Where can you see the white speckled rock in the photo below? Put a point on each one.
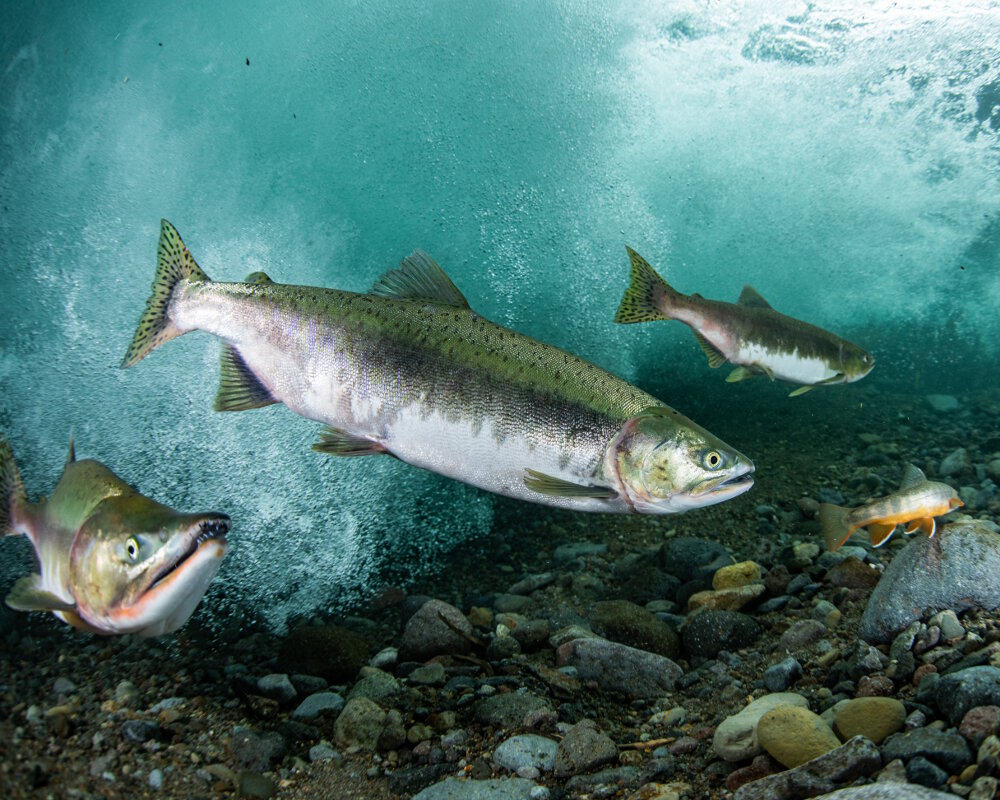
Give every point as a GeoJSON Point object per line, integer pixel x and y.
{"type": "Point", "coordinates": [736, 737]}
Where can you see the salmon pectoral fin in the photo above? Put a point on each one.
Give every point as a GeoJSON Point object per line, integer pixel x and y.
{"type": "Point", "coordinates": [800, 391]}
{"type": "Point", "coordinates": [879, 532]}
{"type": "Point", "coordinates": [239, 389]}
{"type": "Point", "coordinates": [557, 487]}
{"type": "Point", "coordinates": [27, 595]}
{"type": "Point", "coordinates": [335, 442]}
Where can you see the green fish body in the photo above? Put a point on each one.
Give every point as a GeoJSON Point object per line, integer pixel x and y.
{"type": "Point", "coordinates": [749, 333]}
{"type": "Point", "coordinates": [110, 560]}
{"type": "Point", "coordinates": [410, 370]}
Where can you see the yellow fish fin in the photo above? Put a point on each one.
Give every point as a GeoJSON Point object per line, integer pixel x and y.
{"type": "Point", "coordinates": [879, 532]}
{"type": "Point", "coordinates": [739, 374]}
{"type": "Point", "coordinates": [715, 358]}
{"type": "Point", "coordinates": [557, 487]}
{"type": "Point", "coordinates": [800, 391]}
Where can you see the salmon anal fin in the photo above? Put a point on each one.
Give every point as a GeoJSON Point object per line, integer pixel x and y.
{"type": "Point", "coordinates": [239, 389]}
{"type": "Point", "coordinates": [879, 532]}
{"type": "Point", "coordinates": [715, 358]}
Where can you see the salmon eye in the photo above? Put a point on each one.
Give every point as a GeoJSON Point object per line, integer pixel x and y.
{"type": "Point", "coordinates": [712, 459]}
{"type": "Point", "coordinates": [132, 548]}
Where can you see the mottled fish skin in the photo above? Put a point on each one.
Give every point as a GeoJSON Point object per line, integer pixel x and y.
{"type": "Point", "coordinates": [749, 333]}
{"type": "Point", "coordinates": [431, 382]}
{"type": "Point", "coordinates": [917, 502]}
{"type": "Point", "coordinates": [110, 560]}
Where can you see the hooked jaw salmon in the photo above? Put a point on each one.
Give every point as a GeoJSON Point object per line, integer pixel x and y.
{"type": "Point", "coordinates": [110, 560]}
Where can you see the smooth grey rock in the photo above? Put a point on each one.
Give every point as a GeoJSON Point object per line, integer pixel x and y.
{"type": "Point", "coordinates": [780, 676]}
{"type": "Point", "coordinates": [948, 750]}
{"type": "Point", "coordinates": [736, 736]}
{"type": "Point", "coordinates": [960, 691]}
{"type": "Point", "coordinates": [583, 748]}
{"type": "Point", "coordinates": [437, 628]}
{"type": "Point", "coordinates": [689, 558]}
{"type": "Point", "coordinates": [319, 703]}
{"type": "Point", "coordinates": [360, 723]}
{"type": "Point", "coordinates": [708, 632]}
{"type": "Point", "coordinates": [620, 668]}
{"type": "Point", "coordinates": [376, 685]}
{"type": "Point", "coordinates": [956, 462]}
{"type": "Point", "coordinates": [492, 789]}
{"type": "Point", "coordinates": [924, 772]}
{"type": "Point", "coordinates": [508, 710]}
{"type": "Point", "coordinates": [887, 791]}
{"type": "Point", "coordinates": [855, 758]}
{"type": "Point", "coordinates": [526, 750]}
{"type": "Point", "coordinates": [277, 686]}
{"type": "Point", "coordinates": [954, 570]}
{"type": "Point", "coordinates": [942, 402]}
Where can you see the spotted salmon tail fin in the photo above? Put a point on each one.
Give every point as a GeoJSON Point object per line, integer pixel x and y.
{"type": "Point", "coordinates": [835, 527]}
{"type": "Point", "coordinates": [648, 297]}
{"type": "Point", "coordinates": [174, 264]}
{"type": "Point", "coordinates": [11, 487]}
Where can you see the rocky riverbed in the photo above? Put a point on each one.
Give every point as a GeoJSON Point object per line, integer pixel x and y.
{"type": "Point", "coordinates": [718, 654]}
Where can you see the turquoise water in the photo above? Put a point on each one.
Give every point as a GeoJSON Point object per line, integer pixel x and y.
{"type": "Point", "coordinates": [843, 158]}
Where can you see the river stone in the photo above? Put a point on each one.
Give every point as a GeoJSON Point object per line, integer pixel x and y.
{"type": "Point", "coordinates": [960, 691]}
{"type": "Point", "coordinates": [946, 749]}
{"type": "Point", "coordinates": [360, 723]}
{"type": "Point", "coordinates": [491, 789]}
{"type": "Point", "coordinates": [583, 748]}
{"type": "Point", "coordinates": [627, 623]}
{"type": "Point", "coordinates": [329, 651]}
{"type": "Point", "coordinates": [736, 736]}
{"type": "Point", "coordinates": [619, 668]}
{"type": "Point", "coordinates": [708, 632]}
{"type": "Point", "coordinates": [794, 735]}
{"type": "Point", "coordinates": [954, 570]}
{"type": "Point", "coordinates": [887, 791]}
{"type": "Point", "coordinates": [526, 750]}
{"type": "Point", "coordinates": [734, 575]}
{"type": "Point", "coordinates": [437, 628]}
{"type": "Point", "coordinates": [690, 559]}
{"type": "Point", "coordinates": [872, 717]}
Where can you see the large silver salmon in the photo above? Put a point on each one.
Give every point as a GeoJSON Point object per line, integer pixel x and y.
{"type": "Point", "coordinates": [410, 370]}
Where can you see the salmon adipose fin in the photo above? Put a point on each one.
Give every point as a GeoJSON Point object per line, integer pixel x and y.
{"type": "Point", "coordinates": [174, 264]}
{"type": "Point", "coordinates": [11, 487]}
{"type": "Point", "coordinates": [835, 526]}
{"type": "Point", "coordinates": [647, 295]}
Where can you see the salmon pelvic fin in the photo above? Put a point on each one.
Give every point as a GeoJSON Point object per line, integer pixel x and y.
{"type": "Point", "coordinates": [836, 529]}
{"type": "Point", "coordinates": [11, 487]}
{"type": "Point", "coordinates": [644, 296]}
{"type": "Point", "coordinates": [174, 263]}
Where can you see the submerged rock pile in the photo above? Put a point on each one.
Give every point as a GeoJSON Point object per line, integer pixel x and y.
{"type": "Point", "coordinates": [573, 666]}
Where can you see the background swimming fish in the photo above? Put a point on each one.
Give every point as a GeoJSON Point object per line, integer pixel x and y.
{"type": "Point", "coordinates": [111, 560]}
{"type": "Point", "coordinates": [748, 333]}
{"type": "Point", "coordinates": [917, 501]}
{"type": "Point", "coordinates": [410, 370]}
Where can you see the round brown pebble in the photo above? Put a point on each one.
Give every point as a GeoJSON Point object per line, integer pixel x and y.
{"type": "Point", "coordinates": [795, 735]}
{"type": "Point", "coordinates": [874, 717]}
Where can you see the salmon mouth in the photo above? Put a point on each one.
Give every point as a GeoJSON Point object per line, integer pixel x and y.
{"type": "Point", "coordinates": [207, 530]}
{"type": "Point", "coordinates": [737, 483]}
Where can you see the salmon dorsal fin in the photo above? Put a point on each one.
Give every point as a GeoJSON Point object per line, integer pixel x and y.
{"type": "Point", "coordinates": [912, 476]}
{"type": "Point", "coordinates": [419, 277]}
{"type": "Point", "coordinates": [751, 298]}
{"type": "Point", "coordinates": [71, 455]}
{"type": "Point", "coordinates": [258, 278]}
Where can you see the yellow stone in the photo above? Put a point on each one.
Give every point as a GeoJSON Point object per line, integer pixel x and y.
{"type": "Point", "coordinates": [874, 717]}
{"type": "Point", "coordinates": [736, 575]}
{"type": "Point", "coordinates": [795, 735]}
{"type": "Point", "coordinates": [726, 599]}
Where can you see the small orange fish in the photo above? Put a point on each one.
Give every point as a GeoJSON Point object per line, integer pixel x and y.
{"type": "Point", "coordinates": [915, 505]}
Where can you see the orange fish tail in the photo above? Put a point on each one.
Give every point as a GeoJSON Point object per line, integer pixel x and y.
{"type": "Point", "coordinates": [836, 528]}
